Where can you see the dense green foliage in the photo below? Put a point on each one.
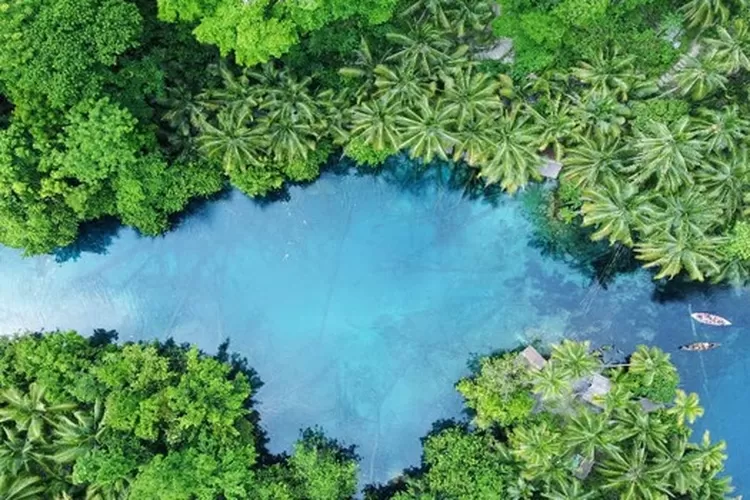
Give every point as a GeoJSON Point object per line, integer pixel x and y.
{"type": "Point", "coordinates": [544, 450]}
{"type": "Point", "coordinates": [108, 110]}
{"type": "Point", "coordinates": [88, 418]}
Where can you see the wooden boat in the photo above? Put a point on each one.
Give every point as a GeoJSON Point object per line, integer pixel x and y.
{"type": "Point", "coordinates": [699, 346]}
{"type": "Point", "coordinates": [710, 319]}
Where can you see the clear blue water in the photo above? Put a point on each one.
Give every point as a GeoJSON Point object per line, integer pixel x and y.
{"type": "Point", "coordinates": [359, 301]}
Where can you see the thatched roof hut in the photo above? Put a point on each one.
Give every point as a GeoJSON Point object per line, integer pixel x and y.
{"type": "Point", "coordinates": [599, 386]}
{"type": "Point", "coordinates": [532, 358]}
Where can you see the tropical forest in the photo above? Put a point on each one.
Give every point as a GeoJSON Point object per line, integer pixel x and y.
{"type": "Point", "coordinates": [379, 249]}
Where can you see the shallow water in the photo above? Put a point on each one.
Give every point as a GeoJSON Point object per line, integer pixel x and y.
{"type": "Point", "coordinates": [359, 301]}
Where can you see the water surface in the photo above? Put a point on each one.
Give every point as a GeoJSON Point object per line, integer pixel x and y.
{"type": "Point", "coordinates": [359, 300]}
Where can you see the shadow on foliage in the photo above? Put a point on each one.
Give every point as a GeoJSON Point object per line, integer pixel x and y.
{"type": "Point", "coordinates": [93, 237]}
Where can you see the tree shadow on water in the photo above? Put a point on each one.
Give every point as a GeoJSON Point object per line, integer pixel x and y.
{"type": "Point", "coordinates": [93, 237]}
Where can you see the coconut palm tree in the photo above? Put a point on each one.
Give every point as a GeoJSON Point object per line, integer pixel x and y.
{"type": "Point", "coordinates": [678, 466]}
{"type": "Point", "coordinates": [689, 212]}
{"type": "Point", "coordinates": [699, 255]}
{"type": "Point", "coordinates": [363, 69]}
{"type": "Point", "coordinates": [575, 358]}
{"type": "Point", "coordinates": [588, 164]}
{"type": "Point", "coordinates": [76, 436]}
{"type": "Point", "coordinates": [20, 487]}
{"type": "Point", "coordinates": [609, 74]}
{"type": "Point", "coordinates": [651, 363]}
{"type": "Point", "coordinates": [375, 122]}
{"type": "Point", "coordinates": [588, 433]}
{"type": "Point", "coordinates": [402, 84]}
{"type": "Point", "coordinates": [426, 131]}
{"type": "Point", "coordinates": [423, 47]}
{"type": "Point", "coordinates": [232, 141]}
{"type": "Point", "coordinates": [705, 13]}
{"type": "Point", "coordinates": [237, 91]}
{"type": "Point", "coordinates": [731, 47]}
{"type": "Point", "coordinates": [422, 10]}
{"type": "Point", "coordinates": [289, 139]}
{"type": "Point", "coordinates": [668, 153]}
{"type": "Point", "coordinates": [600, 114]}
{"type": "Point", "coordinates": [552, 383]}
{"type": "Point", "coordinates": [686, 407]}
{"type": "Point", "coordinates": [632, 476]}
{"type": "Point", "coordinates": [185, 111]}
{"type": "Point", "coordinates": [557, 126]}
{"type": "Point", "coordinates": [712, 455]}
{"type": "Point", "coordinates": [714, 488]}
{"type": "Point", "coordinates": [472, 96]}
{"type": "Point", "coordinates": [514, 160]}
{"type": "Point", "coordinates": [19, 453]}
{"type": "Point", "coordinates": [29, 411]}
{"type": "Point", "coordinates": [725, 182]}
{"type": "Point", "coordinates": [469, 16]}
{"type": "Point", "coordinates": [475, 141]}
{"type": "Point", "coordinates": [614, 208]}
{"type": "Point", "coordinates": [723, 130]}
{"type": "Point", "coordinates": [699, 78]}
{"type": "Point", "coordinates": [642, 429]}
{"type": "Point", "coordinates": [571, 490]}
{"type": "Point", "coordinates": [538, 446]}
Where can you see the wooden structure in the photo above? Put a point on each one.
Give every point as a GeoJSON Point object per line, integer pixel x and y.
{"type": "Point", "coordinates": [598, 387]}
{"type": "Point", "coordinates": [532, 358]}
{"type": "Point", "coordinates": [550, 168]}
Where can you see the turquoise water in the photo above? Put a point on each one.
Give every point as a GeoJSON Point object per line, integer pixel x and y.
{"type": "Point", "coordinates": [359, 300]}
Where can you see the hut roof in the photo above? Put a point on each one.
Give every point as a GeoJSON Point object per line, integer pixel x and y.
{"type": "Point", "coordinates": [598, 387]}
{"type": "Point", "coordinates": [550, 168]}
{"type": "Point", "coordinates": [584, 468]}
{"type": "Point", "coordinates": [649, 406]}
{"type": "Point", "coordinates": [532, 357]}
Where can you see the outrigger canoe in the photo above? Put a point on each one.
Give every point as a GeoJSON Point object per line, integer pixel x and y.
{"type": "Point", "coordinates": [699, 346]}
{"type": "Point", "coordinates": [710, 319]}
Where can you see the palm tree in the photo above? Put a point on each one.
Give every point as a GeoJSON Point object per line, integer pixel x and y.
{"type": "Point", "coordinates": [423, 9]}
{"type": "Point", "coordinates": [668, 153]}
{"type": "Point", "coordinates": [471, 96]}
{"type": "Point", "coordinates": [588, 433]}
{"type": "Point", "coordinates": [426, 131]}
{"type": "Point", "coordinates": [537, 445]}
{"type": "Point", "coordinates": [686, 407]}
{"type": "Point", "coordinates": [722, 130]}
{"type": "Point", "coordinates": [364, 69]}
{"type": "Point", "coordinates": [614, 208]}
{"type": "Point", "coordinates": [237, 91]}
{"type": "Point", "coordinates": [31, 410]}
{"type": "Point", "coordinates": [700, 77]}
{"type": "Point", "coordinates": [423, 47]}
{"type": "Point", "coordinates": [609, 74]}
{"type": "Point", "coordinates": [575, 358]}
{"type": "Point", "coordinates": [375, 123]}
{"type": "Point", "coordinates": [689, 212]}
{"type": "Point", "coordinates": [632, 476]}
{"type": "Point", "coordinates": [677, 466]}
{"type": "Point", "coordinates": [20, 487]}
{"type": "Point", "coordinates": [592, 161]}
{"type": "Point", "coordinates": [557, 126]}
{"type": "Point", "coordinates": [712, 455]}
{"type": "Point", "coordinates": [571, 490]}
{"type": "Point", "coordinates": [714, 488]}
{"type": "Point", "coordinates": [475, 141]}
{"type": "Point", "coordinates": [552, 383]}
{"type": "Point", "coordinates": [185, 111]}
{"type": "Point", "coordinates": [289, 139]}
{"type": "Point", "coordinates": [20, 453]}
{"type": "Point", "coordinates": [699, 255]}
{"type": "Point", "coordinates": [231, 141]}
{"type": "Point", "coordinates": [467, 16]}
{"type": "Point", "coordinates": [402, 84]}
{"type": "Point", "coordinates": [75, 436]}
{"type": "Point", "coordinates": [705, 13]}
{"type": "Point", "coordinates": [514, 160]}
{"type": "Point", "coordinates": [731, 48]}
{"type": "Point", "coordinates": [651, 363]}
{"type": "Point", "coordinates": [643, 429]}
{"type": "Point", "coordinates": [601, 114]}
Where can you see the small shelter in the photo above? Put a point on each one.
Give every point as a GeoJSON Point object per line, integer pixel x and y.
{"type": "Point", "coordinates": [532, 358]}
{"type": "Point", "coordinates": [598, 387]}
{"type": "Point", "coordinates": [583, 467]}
{"type": "Point", "coordinates": [550, 168]}
{"type": "Point", "coordinates": [649, 406]}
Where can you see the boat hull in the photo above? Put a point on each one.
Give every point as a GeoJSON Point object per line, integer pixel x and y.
{"type": "Point", "coordinates": [710, 319]}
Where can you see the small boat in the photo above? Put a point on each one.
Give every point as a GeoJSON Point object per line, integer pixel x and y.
{"type": "Point", "coordinates": [699, 346]}
{"type": "Point", "coordinates": [710, 319]}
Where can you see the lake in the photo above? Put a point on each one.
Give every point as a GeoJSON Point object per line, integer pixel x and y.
{"type": "Point", "coordinates": [360, 299]}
